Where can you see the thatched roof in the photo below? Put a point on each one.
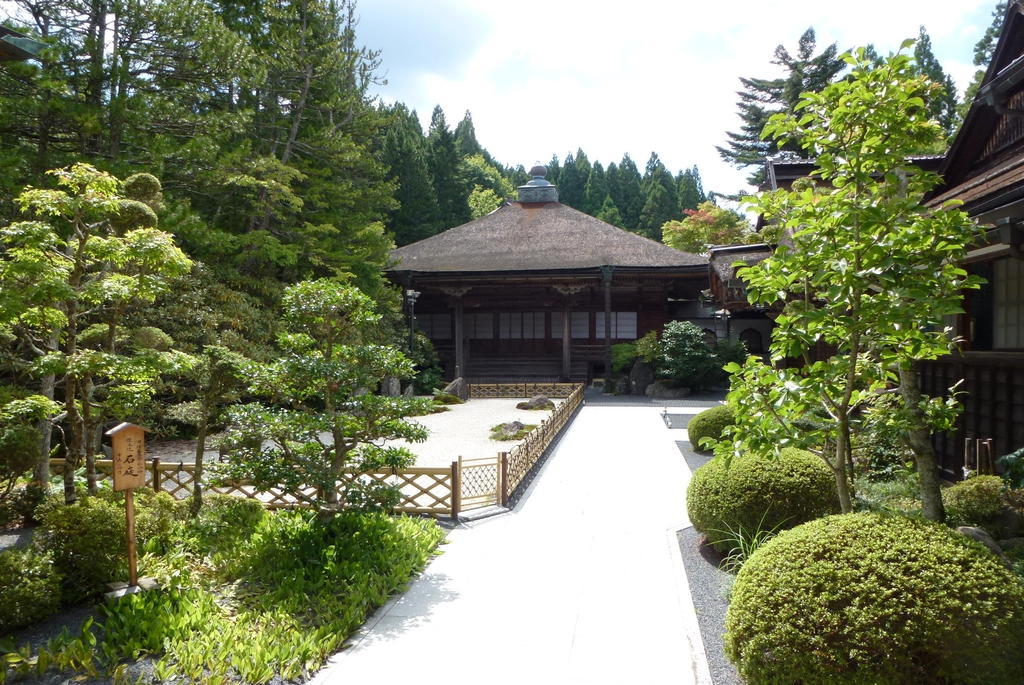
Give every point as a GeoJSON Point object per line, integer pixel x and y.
{"type": "Point", "coordinates": [723, 258]}
{"type": "Point", "coordinates": [537, 237]}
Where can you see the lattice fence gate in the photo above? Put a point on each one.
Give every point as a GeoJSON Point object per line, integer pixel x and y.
{"type": "Point", "coordinates": [480, 482]}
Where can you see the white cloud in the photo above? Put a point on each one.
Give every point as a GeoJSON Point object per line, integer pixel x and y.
{"type": "Point", "coordinates": [615, 77]}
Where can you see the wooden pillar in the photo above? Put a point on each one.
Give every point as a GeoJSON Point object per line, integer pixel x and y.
{"type": "Point", "coordinates": [460, 358]}
{"type": "Point", "coordinates": [606, 277]}
{"type": "Point", "coordinates": [566, 342]}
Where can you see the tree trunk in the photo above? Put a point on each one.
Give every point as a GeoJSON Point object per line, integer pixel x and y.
{"type": "Point", "coordinates": [89, 428]}
{"type": "Point", "coordinates": [197, 476]}
{"type": "Point", "coordinates": [41, 471]}
{"type": "Point", "coordinates": [921, 445]}
{"type": "Point", "coordinates": [838, 465]}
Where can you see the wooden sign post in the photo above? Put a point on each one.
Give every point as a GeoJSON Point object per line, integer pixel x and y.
{"type": "Point", "coordinates": [129, 455]}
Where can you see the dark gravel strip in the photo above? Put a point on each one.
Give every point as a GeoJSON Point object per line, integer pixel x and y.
{"type": "Point", "coordinates": [709, 585]}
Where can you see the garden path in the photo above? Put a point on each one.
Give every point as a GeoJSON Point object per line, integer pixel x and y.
{"type": "Point", "coordinates": [582, 583]}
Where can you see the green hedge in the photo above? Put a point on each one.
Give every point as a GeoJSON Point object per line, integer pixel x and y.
{"type": "Point", "coordinates": [709, 424]}
{"type": "Point", "coordinates": [29, 588]}
{"type": "Point", "coordinates": [754, 492]}
{"type": "Point", "coordinates": [975, 501]}
{"type": "Point", "coordinates": [875, 598]}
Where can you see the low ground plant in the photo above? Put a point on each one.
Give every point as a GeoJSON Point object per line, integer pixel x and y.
{"type": "Point", "coordinates": [29, 588]}
{"type": "Point", "coordinates": [499, 433]}
{"type": "Point", "coordinates": [246, 597]}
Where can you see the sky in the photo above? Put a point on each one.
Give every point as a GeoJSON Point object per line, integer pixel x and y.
{"type": "Point", "coordinates": [636, 76]}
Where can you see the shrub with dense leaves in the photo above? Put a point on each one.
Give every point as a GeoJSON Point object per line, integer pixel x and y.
{"type": "Point", "coordinates": [709, 424]}
{"type": "Point", "coordinates": [875, 598]}
{"type": "Point", "coordinates": [975, 501]}
{"type": "Point", "coordinates": [751, 493]}
{"type": "Point", "coordinates": [224, 520]}
{"type": "Point", "coordinates": [29, 588]}
{"type": "Point", "coordinates": [87, 541]}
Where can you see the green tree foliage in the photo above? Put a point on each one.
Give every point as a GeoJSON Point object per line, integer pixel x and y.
{"type": "Point", "coordinates": [705, 226]}
{"type": "Point", "coordinates": [466, 143]}
{"type": "Point", "coordinates": [660, 202]}
{"type": "Point", "coordinates": [322, 420]}
{"type": "Point", "coordinates": [69, 273]}
{"type": "Point", "coordinates": [760, 98]}
{"type": "Point", "coordinates": [404, 151]}
{"type": "Point", "coordinates": [609, 213]}
{"type": "Point", "coordinates": [868, 271]}
{"type": "Point", "coordinates": [943, 105]}
{"type": "Point", "coordinates": [450, 188]}
{"type": "Point", "coordinates": [983, 51]}
{"type": "Point", "coordinates": [690, 189]}
{"type": "Point", "coordinates": [627, 193]}
{"type": "Point", "coordinates": [571, 181]}
{"type": "Point", "coordinates": [596, 190]}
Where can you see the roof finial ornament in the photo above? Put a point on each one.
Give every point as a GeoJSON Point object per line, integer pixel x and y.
{"type": "Point", "coordinates": [538, 189]}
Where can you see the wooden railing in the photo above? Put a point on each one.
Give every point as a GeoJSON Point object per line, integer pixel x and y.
{"type": "Point", "coordinates": [517, 463]}
{"type": "Point", "coordinates": [524, 390]}
{"type": "Point", "coordinates": [437, 491]}
{"type": "Point", "coordinates": [422, 490]}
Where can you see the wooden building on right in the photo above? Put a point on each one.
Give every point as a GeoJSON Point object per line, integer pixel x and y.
{"type": "Point", "coordinates": [984, 168]}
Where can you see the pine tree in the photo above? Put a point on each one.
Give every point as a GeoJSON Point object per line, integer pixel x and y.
{"type": "Point", "coordinates": [449, 189]}
{"type": "Point", "coordinates": [465, 139]}
{"type": "Point", "coordinates": [554, 168]}
{"type": "Point", "coordinates": [596, 190]}
{"type": "Point", "coordinates": [690, 189]}
{"type": "Point", "coordinates": [570, 184]}
{"type": "Point", "coordinates": [983, 51]}
{"type": "Point", "coordinates": [943, 106]}
{"type": "Point", "coordinates": [609, 213]}
{"type": "Point", "coordinates": [627, 194]}
{"type": "Point", "coordinates": [760, 98]}
{"type": "Point", "coordinates": [655, 174]}
{"type": "Point", "coordinates": [659, 208]}
{"type": "Point", "coordinates": [404, 150]}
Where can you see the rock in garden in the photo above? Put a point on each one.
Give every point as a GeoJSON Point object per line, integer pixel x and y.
{"type": "Point", "coordinates": [457, 387]}
{"type": "Point", "coordinates": [409, 391]}
{"type": "Point", "coordinates": [660, 390]}
{"type": "Point", "coordinates": [622, 385]}
{"type": "Point", "coordinates": [391, 387]}
{"type": "Point", "coordinates": [640, 377]}
{"type": "Point", "coordinates": [510, 429]}
{"type": "Point", "coordinates": [985, 539]}
{"type": "Point", "coordinates": [537, 402]}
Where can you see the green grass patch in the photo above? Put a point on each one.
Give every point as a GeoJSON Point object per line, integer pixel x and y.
{"type": "Point", "coordinates": [498, 434]}
{"type": "Point", "coordinates": [247, 597]}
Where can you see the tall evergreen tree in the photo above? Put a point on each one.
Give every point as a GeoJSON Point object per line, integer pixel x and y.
{"type": "Point", "coordinates": [690, 189]}
{"type": "Point", "coordinates": [983, 51]}
{"type": "Point", "coordinates": [760, 98]}
{"type": "Point", "coordinates": [943, 106]}
{"type": "Point", "coordinates": [630, 199]}
{"type": "Point", "coordinates": [404, 151]}
{"type": "Point", "coordinates": [570, 184]}
{"type": "Point", "coordinates": [449, 189]}
{"type": "Point", "coordinates": [465, 138]}
{"type": "Point", "coordinates": [660, 203]}
{"type": "Point", "coordinates": [596, 190]}
{"type": "Point", "coordinates": [609, 213]}
{"type": "Point", "coordinates": [554, 168]}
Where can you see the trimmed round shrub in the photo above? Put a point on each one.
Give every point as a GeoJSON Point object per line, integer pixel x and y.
{"type": "Point", "coordinates": [224, 521]}
{"type": "Point", "coordinates": [974, 501]}
{"type": "Point", "coordinates": [709, 424]}
{"type": "Point", "coordinates": [29, 588]}
{"type": "Point", "coordinates": [87, 541]}
{"type": "Point", "coordinates": [755, 493]}
{"type": "Point", "coordinates": [875, 598]}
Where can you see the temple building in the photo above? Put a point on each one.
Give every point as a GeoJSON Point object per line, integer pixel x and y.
{"type": "Point", "coordinates": [537, 290]}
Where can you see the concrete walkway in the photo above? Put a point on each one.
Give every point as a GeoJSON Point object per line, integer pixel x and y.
{"type": "Point", "coordinates": [582, 583]}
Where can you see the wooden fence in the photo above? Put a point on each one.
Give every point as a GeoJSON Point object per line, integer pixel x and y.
{"type": "Point", "coordinates": [521, 459]}
{"type": "Point", "coordinates": [422, 490]}
{"type": "Point", "coordinates": [524, 390]}
{"type": "Point", "coordinates": [436, 491]}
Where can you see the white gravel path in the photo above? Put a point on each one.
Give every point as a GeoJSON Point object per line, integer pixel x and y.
{"type": "Point", "coordinates": [465, 430]}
